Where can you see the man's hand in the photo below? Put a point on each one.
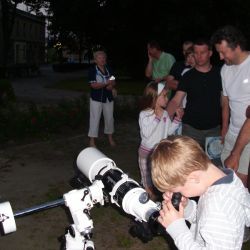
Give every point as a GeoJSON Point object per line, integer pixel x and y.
{"type": "Point", "coordinates": [179, 113]}
{"type": "Point", "coordinates": [248, 112]}
{"type": "Point", "coordinates": [150, 58]}
{"type": "Point", "coordinates": [232, 161]}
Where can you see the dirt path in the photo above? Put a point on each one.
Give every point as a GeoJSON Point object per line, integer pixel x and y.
{"type": "Point", "coordinates": [34, 88]}
{"type": "Point", "coordinates": [36, 173]}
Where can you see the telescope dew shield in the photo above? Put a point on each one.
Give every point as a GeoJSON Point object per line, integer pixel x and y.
{"type": "Point", "coordinates": [91, 161]}
{"type": "Point", "coordinates": [123, 191]}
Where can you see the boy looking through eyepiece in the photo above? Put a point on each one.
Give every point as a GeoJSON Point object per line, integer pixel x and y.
{"type": "Point", "coordinates": [218, 220]}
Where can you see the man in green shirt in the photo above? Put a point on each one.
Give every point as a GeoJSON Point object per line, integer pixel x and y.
{"type": "Point", "coordinates": [159, 63]}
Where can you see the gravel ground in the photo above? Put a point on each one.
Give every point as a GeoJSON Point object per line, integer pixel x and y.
{"type": "Point", "coordinates": [36, 173]}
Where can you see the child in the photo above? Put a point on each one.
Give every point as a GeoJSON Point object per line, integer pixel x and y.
{"type": "Point", "coordinates": [218, 221]}
{"type": "Point", "coordinates": [155, 125]}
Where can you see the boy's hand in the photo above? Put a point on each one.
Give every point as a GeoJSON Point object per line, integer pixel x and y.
{"type": "Point", "coordinates": [169, 214]}
{"type": "Point", "coordinates": [167, 196]}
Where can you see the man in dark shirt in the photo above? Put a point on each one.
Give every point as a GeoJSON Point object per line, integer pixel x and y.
{"type": "Point", "coordinates": [179, 68]}
{"type": "Point", "coordinates": [202, 86]}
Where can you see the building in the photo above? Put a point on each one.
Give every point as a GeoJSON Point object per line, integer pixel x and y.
{"type": "Point", "coordinates": [27, 50]}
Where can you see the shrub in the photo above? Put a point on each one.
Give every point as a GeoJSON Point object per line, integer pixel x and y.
{"type": "Point", "coordinates": [22, 121]}
{"type": "Point", "coordinates": [68, 67]}
{"type": "Point", "coordinates": [6, 91]}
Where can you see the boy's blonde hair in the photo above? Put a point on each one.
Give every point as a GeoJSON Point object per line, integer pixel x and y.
{"type": "Point", "coordinates": [174, 159]}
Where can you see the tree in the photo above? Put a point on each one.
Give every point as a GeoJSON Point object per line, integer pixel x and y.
{"type": "Point", "coordinates": [123, 27]}
{"type": "Point", "coordinates": [73, 22]}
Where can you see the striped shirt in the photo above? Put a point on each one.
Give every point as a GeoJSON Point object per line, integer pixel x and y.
{"type": "Point", "coordinates": [218, 221]}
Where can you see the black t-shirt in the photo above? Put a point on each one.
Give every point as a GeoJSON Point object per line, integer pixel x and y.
{"type": "Point", "coordinates": [203, 109]}
{"type": "Point", "coordinates": [176, 71]}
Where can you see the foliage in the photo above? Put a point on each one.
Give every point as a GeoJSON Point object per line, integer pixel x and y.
{"type": "Point", "coordinates": [124, 86]}
{"type": "Point", "coordinates": [21, 121]}
{"type": "Point", "coordinates": [6, 92]}
{"type": "Point", "coordinates": [123, 27]}
{"type": "Point", "coordinates": [68, 67]}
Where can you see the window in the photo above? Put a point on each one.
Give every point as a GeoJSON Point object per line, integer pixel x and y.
{"type": "Point", "coordinates": [20, 52]}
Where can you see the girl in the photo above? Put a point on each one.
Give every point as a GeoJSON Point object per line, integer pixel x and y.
{"type": "Point", "coordinates": [155, 125]}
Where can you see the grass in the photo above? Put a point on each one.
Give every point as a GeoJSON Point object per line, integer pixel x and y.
{"type": "Point", "coordinates": [124, 86]}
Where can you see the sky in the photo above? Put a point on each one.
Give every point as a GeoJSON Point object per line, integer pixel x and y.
{"type": "Point", "coordinates": [23, 7]}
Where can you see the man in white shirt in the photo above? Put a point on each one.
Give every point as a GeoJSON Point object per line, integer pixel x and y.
{"type": "Point", "coordinates": [231, 46]}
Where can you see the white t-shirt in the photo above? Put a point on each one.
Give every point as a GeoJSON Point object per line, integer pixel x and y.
{"type": "Point", "coordinates": [236, 86]}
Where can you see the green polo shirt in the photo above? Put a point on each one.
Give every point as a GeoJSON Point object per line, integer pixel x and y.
{"type": "Point", "coordinates": [162, 66]}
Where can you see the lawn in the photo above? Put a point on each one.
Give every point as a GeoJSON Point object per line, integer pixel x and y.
{"type": "Point", "coordinates": [124, 86]}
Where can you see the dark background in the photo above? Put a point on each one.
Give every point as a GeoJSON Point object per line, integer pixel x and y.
{"type": "Point", "coordinates": [123, 27]}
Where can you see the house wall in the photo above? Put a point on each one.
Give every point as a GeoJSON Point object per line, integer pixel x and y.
{"type": "Point", "coordinates": [28, 39]}
{"type": "Point", "coordinates": [1, 36]}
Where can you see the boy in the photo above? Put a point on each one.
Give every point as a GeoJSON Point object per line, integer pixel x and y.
{"type": "Point", "coordinates": [218, 220]}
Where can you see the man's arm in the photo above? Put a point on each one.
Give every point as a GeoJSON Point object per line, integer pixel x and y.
{"type": "Point", "coordinates": [175, 102]}
{"type": "Point", "coordinates": [172, 83]}
{"type": "Point", "coordinates": [243, 139]}
{"type": "Point", "coordinates": [225, 115]}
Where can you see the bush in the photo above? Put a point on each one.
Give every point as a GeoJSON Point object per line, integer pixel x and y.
{"type": "Point", "coordinates": [68, 67]}
{"type": "Point", "coordinates": [6, 91]}
{"type": "Point", "coordinates": [22, 121]}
